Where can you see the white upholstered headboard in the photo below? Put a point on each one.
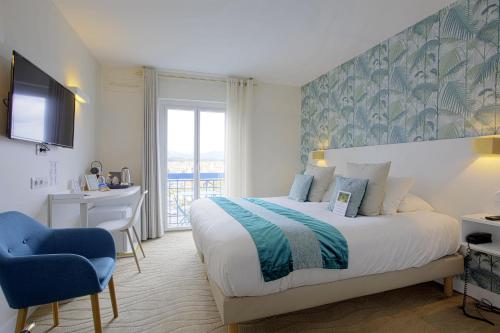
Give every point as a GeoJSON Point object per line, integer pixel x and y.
{"type": "Point", "coordinates": [448, 173]}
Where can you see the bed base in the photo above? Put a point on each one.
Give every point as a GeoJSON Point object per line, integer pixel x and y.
{"type": "Point", "coordinates": [234, 310]}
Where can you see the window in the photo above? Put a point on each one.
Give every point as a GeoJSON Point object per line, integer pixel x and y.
{"type": "Point", "coordinates": [193, 141]}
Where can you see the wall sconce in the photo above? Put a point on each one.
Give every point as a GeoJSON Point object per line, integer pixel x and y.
{"type": "Point", "coordinates": [487, 145]}
{"type": "Point", "coordinates": [80, 96]}
{"type": "Point", "coordinates": [318, 155]}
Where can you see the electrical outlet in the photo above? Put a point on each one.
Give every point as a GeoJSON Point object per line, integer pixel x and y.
{"type": "Point", "coordinates": [39, 182]}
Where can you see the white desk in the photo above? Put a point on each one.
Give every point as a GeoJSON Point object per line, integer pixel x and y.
{"type": "Point", "coordinates": [86, 198]}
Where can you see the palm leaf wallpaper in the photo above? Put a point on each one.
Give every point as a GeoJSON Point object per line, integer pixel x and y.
{"type": "Point", "coordinates": [438, 79]}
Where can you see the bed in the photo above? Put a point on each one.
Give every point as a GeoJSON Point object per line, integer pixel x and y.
{"type": "Point", "coordinates": [385, 252]}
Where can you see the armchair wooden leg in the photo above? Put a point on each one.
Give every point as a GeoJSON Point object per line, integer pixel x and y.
{"type": "Point", "coordinates": [232, 328]}
{"type": "Point", "coordinates": [448, 286]}
{"type": "Point", "coordinates": [133, 249]}
{"type": "Point", "coordinates": [96, 313]}
{"type": "Point", "coordinates": [55, 313]}
{"type": "Point", "coordinates": [139, 241]}
{"type": "Point", "coordinates": [112, 294]}
{"type": "Point", "coordinates": [21, 319]}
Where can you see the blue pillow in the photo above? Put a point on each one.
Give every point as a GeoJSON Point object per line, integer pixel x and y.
{"type": "Point", "coordinates": [300, 187]}
{"type": "Point", "coordinates": [357, 188]}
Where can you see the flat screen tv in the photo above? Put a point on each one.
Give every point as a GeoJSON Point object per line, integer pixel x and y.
{"type": "Point", "coordinates": [40, 109]}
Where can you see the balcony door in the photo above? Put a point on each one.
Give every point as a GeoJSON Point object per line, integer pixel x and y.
{"type": "Point", "coordinates": [193, 139]}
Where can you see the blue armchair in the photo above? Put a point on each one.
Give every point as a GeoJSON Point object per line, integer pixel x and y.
{"type": "Point", "coordinates": [39, 265]}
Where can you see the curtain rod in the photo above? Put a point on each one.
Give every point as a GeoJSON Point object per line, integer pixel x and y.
{"type": "Point", "coordinates": [200, 78]}
{"type": "Point", "coordinates": [187, 77]}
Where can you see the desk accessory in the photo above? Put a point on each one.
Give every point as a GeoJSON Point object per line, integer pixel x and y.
{"type": "Point", "coordinates": [91, 182]}
{"type": "Point", "coordinates": [75, 186]}
{"type": "Point", "coordinates": [96, 168]}
{"type": "Point", "coordinates": [125, 176]}
{"type": "Point", "coordinates": [114, 177]}
{"type": "Point", "coordinates": [101, 181]}
{"type": "Point", "coordinates": [119, 186]}
{"type": "Point", "coordinates": [478, 238]}
{"type": "Point", "coordinates": [340, 207]}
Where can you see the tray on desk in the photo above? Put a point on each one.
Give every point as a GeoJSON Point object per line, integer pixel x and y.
{"type": "Point", "coordinates": [118, 186]}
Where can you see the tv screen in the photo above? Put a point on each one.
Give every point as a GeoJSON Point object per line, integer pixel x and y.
{"type": "Point", "coordinates": [40, 108]}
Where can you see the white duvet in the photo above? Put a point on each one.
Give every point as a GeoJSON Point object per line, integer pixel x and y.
{"type": "Point", "coordinates": [376, 244]}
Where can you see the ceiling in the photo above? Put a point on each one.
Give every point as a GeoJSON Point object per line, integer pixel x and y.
{"type": "Point", "coordinates": [277, 41]}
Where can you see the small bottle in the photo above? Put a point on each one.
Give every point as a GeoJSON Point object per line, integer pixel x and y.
{"type": "Point", "coordinates": [101, 183]}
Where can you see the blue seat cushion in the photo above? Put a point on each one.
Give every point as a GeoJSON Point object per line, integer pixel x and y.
{"type": "Point", "coordinates": [104, 268]}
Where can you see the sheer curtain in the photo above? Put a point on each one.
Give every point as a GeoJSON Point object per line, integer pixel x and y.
{"type": "Point", "coordinates": [238, 111]}
{"type": "Point", "coordinates": [152, 221]}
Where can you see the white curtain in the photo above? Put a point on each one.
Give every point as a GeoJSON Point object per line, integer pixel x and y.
{"type": "Point", "coordinates": [238, 112]}
{"type": "Point", "coordinates": [152, 221]}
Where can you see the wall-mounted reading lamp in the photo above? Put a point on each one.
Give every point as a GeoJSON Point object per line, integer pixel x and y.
{"type": "Point", "coordinates": [318, 155]}
{"type": "Point", "coordinates": [487, 145]}
{"type": "Point", "coordinates": [80, 95]}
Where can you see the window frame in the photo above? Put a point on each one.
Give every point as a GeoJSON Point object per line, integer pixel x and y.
{"type": "Point", "coordinates": [164, 104]}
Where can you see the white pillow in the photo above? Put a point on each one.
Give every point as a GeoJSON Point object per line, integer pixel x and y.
{"type": "Point", "coordinates": [328, 194]}
{"type": "Point", "coordinates": [413, 203]}
{"type": "Point", "coordinates": [395, 190]}
{"type": "Point", "coordinates": [375, 191]}
{"type": "Point", "coordinates": [322, 177]}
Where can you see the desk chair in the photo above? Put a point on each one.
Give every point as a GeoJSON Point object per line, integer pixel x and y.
{"type": "Point", "coordinates": [124, 225]}
{"type": "Point", "coordinates": [39, 265]}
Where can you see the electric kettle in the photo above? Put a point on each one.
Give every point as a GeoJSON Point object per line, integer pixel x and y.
{"type": "Point", "coordinates": [125, 176]}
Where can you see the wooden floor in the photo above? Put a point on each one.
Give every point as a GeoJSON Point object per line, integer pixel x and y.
{"type": "Point", "coordinates": [172, 295]}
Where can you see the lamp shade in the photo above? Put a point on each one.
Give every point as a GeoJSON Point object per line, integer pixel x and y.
{"type": "Point", "coordinates": [487, 145]}
{"type": "Point", "coordinates": [318, 155]}
{"type": "Point", "coordinates": [80, 95]}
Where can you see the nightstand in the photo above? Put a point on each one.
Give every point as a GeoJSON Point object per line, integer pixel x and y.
{"type": "Point", "coordinates": [477, 223]}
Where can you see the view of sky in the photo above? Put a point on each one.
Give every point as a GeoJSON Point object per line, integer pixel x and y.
{"type": "Point", "coordinates": [180, 131]}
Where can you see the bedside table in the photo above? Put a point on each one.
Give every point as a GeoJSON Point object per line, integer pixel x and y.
{"type": "Point", "coordinates": [477, 223]}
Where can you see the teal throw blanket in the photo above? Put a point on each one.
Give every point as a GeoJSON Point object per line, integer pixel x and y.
{"type": "Point", "coordinates": [286, 239]}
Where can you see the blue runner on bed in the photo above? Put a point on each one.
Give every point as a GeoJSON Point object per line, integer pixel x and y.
{"type": "Point", "coordinates": [286, 239]}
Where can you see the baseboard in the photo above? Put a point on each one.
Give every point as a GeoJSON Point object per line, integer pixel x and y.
{"type": "Point", "coordinates": [10, 325]}
{"type": "Point", "coordinates": [476, 292]}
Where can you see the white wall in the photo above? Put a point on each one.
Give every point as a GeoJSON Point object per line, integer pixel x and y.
{"type": "Point", "coordinates": [185, 89]}
{"type": "Point", "coordinates": [38, 31]}
{"type": "Point", "coordinates": [274, 125]}
{"type": "Point", "coordinates": [120, 121]}
{"type": "Point", "coordinates": [122, 100]}
{"type": "Point", "coordinates": [275, 139]}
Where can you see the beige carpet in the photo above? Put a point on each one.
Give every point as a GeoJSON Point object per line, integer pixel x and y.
{"type": "Point", "coordinates": [172, 295]}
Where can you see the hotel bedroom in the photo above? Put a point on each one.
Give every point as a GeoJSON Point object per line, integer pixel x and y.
{"type": "Point", "coordinates": [249, 166]}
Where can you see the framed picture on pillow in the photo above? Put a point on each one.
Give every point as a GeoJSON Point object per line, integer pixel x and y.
{"type": "Point", "coordinates": [341, 203]}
